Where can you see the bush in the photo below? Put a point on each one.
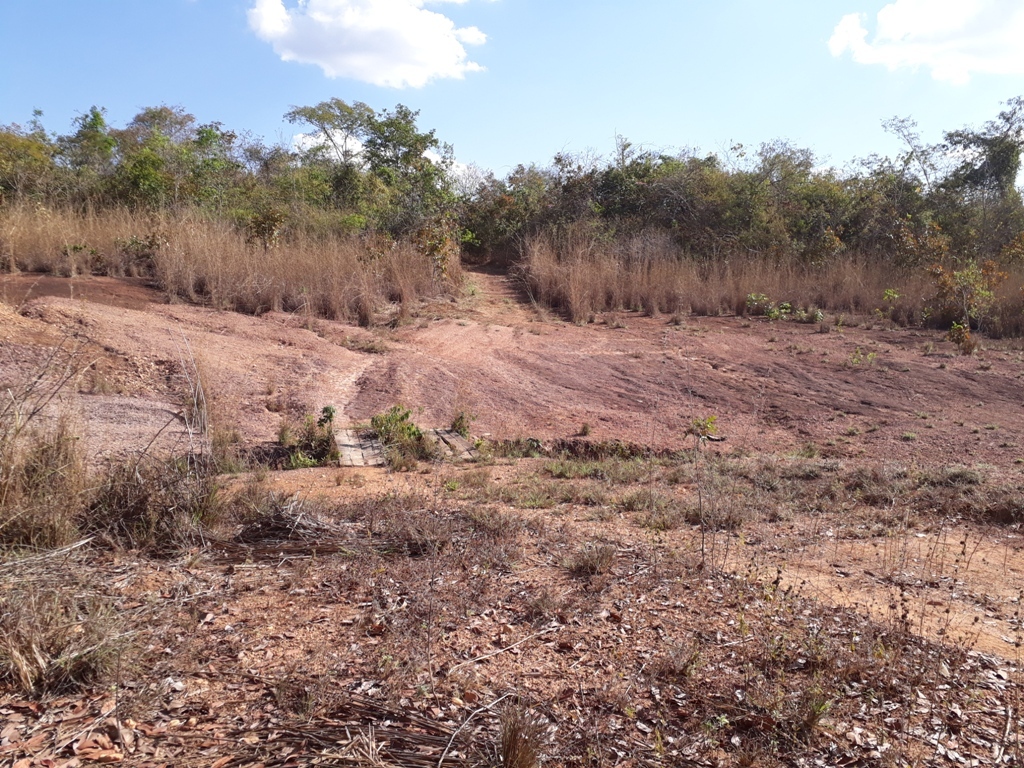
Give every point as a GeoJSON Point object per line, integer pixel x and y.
{"type": "Point", "coordinates": [462, 422]}
{"type": "Point", "coordinates": [311, 443]}
{"type": "Point", "coordinates": [404, 442]}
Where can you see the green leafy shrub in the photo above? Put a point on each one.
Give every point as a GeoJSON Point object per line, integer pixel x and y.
{"type": "Point", "coordinates": [960, 334]}
{"type": "Point", "coordinates": [967, 295]}
{"type": "Point", "coordinates": [311, 443]}
{"type": "Point", "coordinates": [462, 422]}
{"type": "Point", "coordinates": [404, 442]}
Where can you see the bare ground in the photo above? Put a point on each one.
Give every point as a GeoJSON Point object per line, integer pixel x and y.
{"type": "Point", "coordinates": [831, 473]}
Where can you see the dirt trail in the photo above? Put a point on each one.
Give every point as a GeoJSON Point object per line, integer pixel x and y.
{"type": "Point", "coordinates": [856, 391]}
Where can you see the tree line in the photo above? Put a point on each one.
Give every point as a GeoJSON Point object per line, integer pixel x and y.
{"type": "Point", "coordinates": [358, 170]}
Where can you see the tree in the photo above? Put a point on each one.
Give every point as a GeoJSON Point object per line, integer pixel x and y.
{"type": "Point", "coordinates": [978, 202]}
{"type": "Point", "coordinates": [379, 163]}
{"type": "Point", "coordinates": [26, 162]}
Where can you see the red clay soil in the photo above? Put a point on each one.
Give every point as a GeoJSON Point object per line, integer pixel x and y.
{"type": "Point", "coordinates": [772, 386]}
{"type": "Point", "coordinates": [879, 395]}
{"type": "Point", "coordinates": [864, 391]}
{"type": "Point", "coordinates": [787, 397]}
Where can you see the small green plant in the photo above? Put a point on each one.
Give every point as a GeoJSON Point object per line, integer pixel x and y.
{"type": "Point", "coordinates": [760, 304]}
{"type": "Point", "coordinates": [310, 443]}
{"type": "Point", "coordinates": [780, 311]}
{"type": "Point", "coordinates": [404, 442]}
{"type": "Point", "coordinates": [704, 428]}
{"type": "Point", "coordinates": [326, 417]}
{"type": "Point", "coordinates": [395, 425]}
{"type": "Point", "coordinates": [810, 316]}
{"type": "Point", "coordinates": [858, 357]}
{"type": "Point", "coordinates": [960, 334]}
{"type": "Point", "coordinates": [299, 460]}
{"type": "Point", "coordinates": [462, 422]}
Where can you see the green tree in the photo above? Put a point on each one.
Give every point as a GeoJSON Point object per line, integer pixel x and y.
{"type": "Point", "coordinates": [27, 168]}
{"type": "Point", "coordinates": [378, 163]}
{"type": "Point", "coordinates": [88, 155]}
{"type": "Point", "coordinates": [978, 202]}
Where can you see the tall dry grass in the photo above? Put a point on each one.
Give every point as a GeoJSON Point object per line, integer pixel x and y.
{"type": "Point", "coordinates": [42, 465]}
{"type": "Point", "coordinates": [49, 498]}
{"type": "Point", "coordinates": [215, 262]}
{"type": "Point", "coordinates": [582, 274]}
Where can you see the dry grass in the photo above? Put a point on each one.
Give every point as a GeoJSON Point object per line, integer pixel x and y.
{"type": "Point", "coordinates": [158, 505]}
{"type": "Point", "coordinates": [521, 739]}
{"type": "Point", "coordinates": [591, 559]}
{"type": "Point", "coordinates": [47, 496]}
{"type": "Point", "coordinates": [52, 640]}
{"type": "Point", "coordinates": [42, 466]}
{"type": "Point", "coordinates": [42, 485]}
{"type": "Point", "coordinates": [582, 275]}
{"type": "Point", "coordinates": [199, 260]}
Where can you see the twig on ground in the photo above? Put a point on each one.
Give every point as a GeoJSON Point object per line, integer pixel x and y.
{"type": "Point", "coordinates": [502, 650]}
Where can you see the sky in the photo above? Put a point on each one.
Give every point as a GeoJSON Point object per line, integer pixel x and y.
{"type": "Point", "coordinates": [517, 81]}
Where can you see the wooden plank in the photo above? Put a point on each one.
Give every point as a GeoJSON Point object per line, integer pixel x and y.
{"type": "Point", "coordinates": [373, 453]}
{"type": "Point", "coordinates": [349, 452]}
{"type": "Point", "coordinates": [459, 446]}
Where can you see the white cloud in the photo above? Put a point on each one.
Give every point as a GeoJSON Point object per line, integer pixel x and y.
{"type": "Point", "coordinates": [394, 43]}
{"type": "Point", "coordinates": [953, 38]}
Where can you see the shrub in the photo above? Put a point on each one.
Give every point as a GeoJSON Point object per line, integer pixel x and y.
{"type": "Point", "coordinates": [310, 443]}
{"type": "Point", "coordinates": [403, 441]}
{"type": "Point", "coordinates": [462, 422]}
{"type": "Point", "coordinates": [960, 334]}
{"type": "Point", "coordinates": [967, 294]}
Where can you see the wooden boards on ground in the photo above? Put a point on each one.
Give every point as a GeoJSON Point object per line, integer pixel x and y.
{"type": "Point", "coordinates": [354, 451]}
{"type": "Point", "coordinates": [454, 444]}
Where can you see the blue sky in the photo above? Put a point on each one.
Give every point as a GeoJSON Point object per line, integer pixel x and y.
{"type": "Point", "coordinates": [510, 81]}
